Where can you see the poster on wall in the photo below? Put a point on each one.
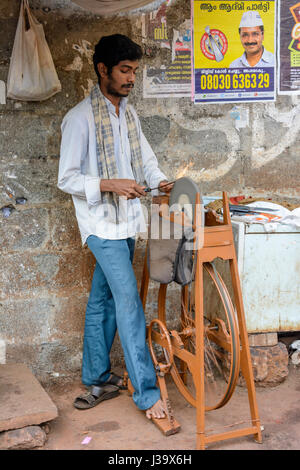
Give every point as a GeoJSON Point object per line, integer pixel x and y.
{"type": "Point", "coordinates": [170, 76]}
{"type": "Point", "coordinates": [289, 47]}
{"type": "Point", "coordinates": [234, 51]}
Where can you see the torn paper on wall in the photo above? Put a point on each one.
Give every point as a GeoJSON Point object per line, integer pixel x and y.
{"type": "Point", "coordinates": [172, 76]}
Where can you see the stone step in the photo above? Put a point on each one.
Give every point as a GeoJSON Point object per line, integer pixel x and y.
{"type": "Point", "coordinates": [23, 401]}
{"type": "Point", "coordinates": [24, 438]}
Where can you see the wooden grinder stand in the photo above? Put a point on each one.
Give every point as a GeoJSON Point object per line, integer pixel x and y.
{"type": "Point", "coordinates": [217, 242]}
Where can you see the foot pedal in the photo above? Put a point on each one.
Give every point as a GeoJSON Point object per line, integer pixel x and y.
{"type": "Point", "coordinates": [166, 427]}
{"type": "Point", "coordinates": [163, 424]}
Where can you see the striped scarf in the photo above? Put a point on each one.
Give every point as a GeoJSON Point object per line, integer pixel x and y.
{"type": "Point", "coordinates": [105, 145]}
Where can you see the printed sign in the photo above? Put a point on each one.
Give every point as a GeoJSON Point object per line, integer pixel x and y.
{"type": "Point", "coordinates": [171, 77]}
{"type": "Point", "coordinates": [234, 51]}
{"type": "Point", "coordinates": [289, 47]}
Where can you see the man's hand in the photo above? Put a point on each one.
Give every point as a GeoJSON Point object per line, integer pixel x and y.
{"type": "Point", "coordinates": [165, 187]}
{"type": "Point", "coordinates": [129, 189]}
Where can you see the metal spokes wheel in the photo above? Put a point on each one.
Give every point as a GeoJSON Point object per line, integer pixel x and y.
{"type": "Point", "coordinates": [221, 344]}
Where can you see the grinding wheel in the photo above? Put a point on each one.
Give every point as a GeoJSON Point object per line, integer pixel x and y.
{"type": "Point", "coordinates": [183, 197]}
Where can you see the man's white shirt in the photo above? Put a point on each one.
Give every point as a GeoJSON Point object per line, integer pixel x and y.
{"type": "Point", "coordinates": [266, 60]}
{"type": "Point", "coordinates": [79, 174]}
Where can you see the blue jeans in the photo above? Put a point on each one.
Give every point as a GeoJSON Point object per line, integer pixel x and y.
{"type": "Point", "coordinates": [114, 303]}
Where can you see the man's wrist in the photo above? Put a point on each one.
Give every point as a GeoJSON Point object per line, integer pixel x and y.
{"type": "Point", "coordinates": [106, 185]}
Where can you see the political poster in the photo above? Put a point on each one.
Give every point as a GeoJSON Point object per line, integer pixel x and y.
{"type": "Point", "coordinates": [170, 76]}
{"type": "Point", "coordinates": [234, 50]}
{"type": "Point", "coordinates": [289, 47]}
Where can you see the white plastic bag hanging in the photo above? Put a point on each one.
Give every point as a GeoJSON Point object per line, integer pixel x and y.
{"type": "Point", "coordinates": [32, 75]}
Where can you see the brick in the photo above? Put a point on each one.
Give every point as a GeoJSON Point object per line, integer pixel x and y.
{"type": "Point", "coordinates": [263, 339]}
{"type": "Point", "coordinates": [26, 320]}
{"type": "Point", "coordinates": [270, 364]}
{"type": "Point", "coordinates": [22, 439]}
{"type": "Point", "coordinates": [69, 315]}
{"type": "Point", "coordinates": [49, 358]}
{"type": "Point", "coordinates": [40, 129]}
{"type": "Point", "coordinates": [64, 228]}
{"type": "Point", "coordinates": [23, 229]}
{"type": "Point", "coordinates": [27, 273]}
{"type": "Point", "coordinates": [59, 357]}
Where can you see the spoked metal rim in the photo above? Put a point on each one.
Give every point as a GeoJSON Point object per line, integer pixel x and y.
{"type": "Point", "coordinates": [232, 324]}
{"type": "Point", "coordinates": [232, 346]}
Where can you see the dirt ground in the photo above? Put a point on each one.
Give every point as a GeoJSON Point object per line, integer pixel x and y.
{"type": "Point", "coordinates": [117, 424]}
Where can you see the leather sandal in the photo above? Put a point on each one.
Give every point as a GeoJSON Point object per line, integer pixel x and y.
{"type": "Point", "coordinates": [115, 380]}
{"type": "Point", "coordinates": [95, 395]}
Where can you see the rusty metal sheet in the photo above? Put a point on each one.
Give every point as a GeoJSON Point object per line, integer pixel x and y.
{"type": "Point", "coordinates": [270, 281]}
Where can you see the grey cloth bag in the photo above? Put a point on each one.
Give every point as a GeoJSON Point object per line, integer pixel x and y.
{"type": "Point", "coordinates": [170, 251]}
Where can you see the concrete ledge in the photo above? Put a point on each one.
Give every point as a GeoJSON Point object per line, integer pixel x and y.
{"type": "Point", "coordinates": [23, 401]}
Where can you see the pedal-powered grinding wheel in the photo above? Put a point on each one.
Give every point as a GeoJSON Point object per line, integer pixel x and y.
{"type": "Point", "coordinates": [205, 352]}
{"type": "Point", "coordinates": [183, 197]}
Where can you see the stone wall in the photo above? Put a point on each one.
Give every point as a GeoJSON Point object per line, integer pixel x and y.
{"type": "Point", "coordinates": [45, 274]}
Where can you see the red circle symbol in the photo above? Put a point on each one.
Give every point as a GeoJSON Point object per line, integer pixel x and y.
{"type": "Point", "coordinates": [220, 40]}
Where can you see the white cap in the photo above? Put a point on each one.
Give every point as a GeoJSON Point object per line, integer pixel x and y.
{"type": "Point", "coordinates": [250, 19]}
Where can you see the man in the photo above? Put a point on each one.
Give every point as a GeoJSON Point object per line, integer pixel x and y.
{"type": "Point", "coordinates": [251, 32]}
{"type": "Point", "coordinates": [105, 159]}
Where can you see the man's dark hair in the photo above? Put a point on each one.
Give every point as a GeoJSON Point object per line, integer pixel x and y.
{"type": "Point", "coordinates": [261, 28]}
{"type": "Point", "coordinates": [113, 49]}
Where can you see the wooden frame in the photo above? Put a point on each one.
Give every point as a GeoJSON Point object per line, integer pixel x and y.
{"type": "Point", "coordinates": [217, 242]}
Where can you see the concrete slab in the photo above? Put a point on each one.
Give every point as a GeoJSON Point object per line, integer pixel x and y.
{"type": "Point", "coordinates": [23, 401]}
